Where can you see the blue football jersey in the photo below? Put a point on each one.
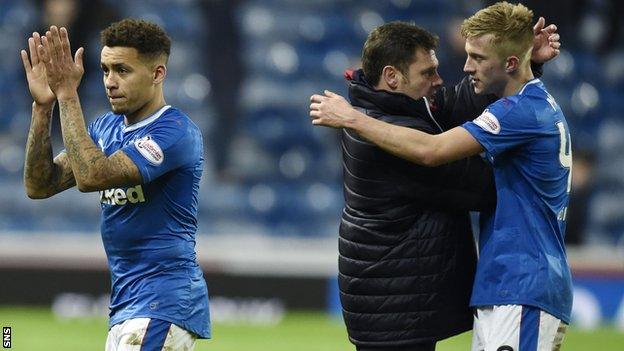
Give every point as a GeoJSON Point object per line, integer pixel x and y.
{"type": "Point", "coordinates": [522, 258]}
{"type": "Point", "coordinates": [148, 229]}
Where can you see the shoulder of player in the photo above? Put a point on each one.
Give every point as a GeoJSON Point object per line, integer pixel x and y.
{"type": "Point", "coordinates": [109, 116]}
{"type": "Point", "coordinates": [530, 97]}
{"type": "Point", "coordinates": [504, 111]}
{"type": "Point", "coordinates": [534, 93]}
{"type": "Point", "coordinates": [107, 119]}
{"type": "Point", "coordinates": [505, 106]}
{"type": "Point", "coordinates": [530, 111]}
{"type": "Point", "coordinates": [174, 119]}
{"type": "Point", "coordinates": [177, 126]}
{"type": "Point", "coordinates": [527, 96]}
{"type": "Point", "coordinates": [173, 115]}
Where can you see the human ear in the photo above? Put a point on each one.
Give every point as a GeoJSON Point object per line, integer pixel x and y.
{"type": "Point", "coordinates": [159, 73]}
{"type": "Point", "coordinates": [511, 64]}
{"type": "Point", "coordinates": [391, 76]}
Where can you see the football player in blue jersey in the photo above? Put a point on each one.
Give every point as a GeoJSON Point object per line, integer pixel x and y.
{"type": "Point", "coordinates": [145, 158]}
{"type": "Point", "coordinates": [522, 291]}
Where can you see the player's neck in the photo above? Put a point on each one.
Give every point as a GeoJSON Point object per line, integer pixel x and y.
{"type": "Point", "coordinates": [517, 81]}
{"type": "Point", "coordinates": [146, 111]}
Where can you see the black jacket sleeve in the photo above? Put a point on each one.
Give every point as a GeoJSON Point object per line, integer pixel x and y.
{"type": "Point", "coordinates": [455, 105]}
{"type": "Point", "coordinates": [466, 184]}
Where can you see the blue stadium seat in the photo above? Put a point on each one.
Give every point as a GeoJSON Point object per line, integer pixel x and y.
{"type": "Point", "coordinates": [288, 173]}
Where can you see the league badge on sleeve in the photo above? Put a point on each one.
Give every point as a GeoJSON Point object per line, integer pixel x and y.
{"type": "Point", "coordinates": [488, 122]}
{"type": "Point", "coordinates": [150, 150]}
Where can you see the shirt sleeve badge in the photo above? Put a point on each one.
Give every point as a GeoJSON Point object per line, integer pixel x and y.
{"type": "Point", "coordinates": [488, 122]}
{"type": "Point", "coordinates": [149, 149]}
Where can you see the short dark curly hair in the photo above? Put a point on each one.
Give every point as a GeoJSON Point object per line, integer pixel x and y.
{"type": "Point", "coordinates": [148, 38]}
{"type": "Point", "coordinates": [394, 44]}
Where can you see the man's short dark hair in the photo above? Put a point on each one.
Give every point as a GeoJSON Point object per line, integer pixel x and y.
{"type": "Point", "coordinates": [394, 44]}
{"type": "Point", "coordinates": [148, 38]}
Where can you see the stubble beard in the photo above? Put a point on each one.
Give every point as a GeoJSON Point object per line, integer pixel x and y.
{"type": "Point", "coordinates": [119, 110]}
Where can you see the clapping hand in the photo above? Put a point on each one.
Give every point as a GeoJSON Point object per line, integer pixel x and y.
{"type": "Point", "coordinates": [63, 72]}
{"type": "Point", "coordinates": [36, 73]}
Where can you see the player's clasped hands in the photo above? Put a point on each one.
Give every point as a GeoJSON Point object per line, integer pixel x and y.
{"type": "Point", "coordinates": [330, 110]}
{"type": "Point", "coordinates": [63, 72]}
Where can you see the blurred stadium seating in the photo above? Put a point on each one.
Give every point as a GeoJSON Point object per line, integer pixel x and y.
{"type": "Point", "coordinates": [285, 177]}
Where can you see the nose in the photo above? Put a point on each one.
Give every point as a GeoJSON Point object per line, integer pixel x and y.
{"type": "Point", "coordinates": [437, 80]}
{"type": "Point", "coordinates": [468, 66]}
{"type": "Point", "coordinates": [110, 82]}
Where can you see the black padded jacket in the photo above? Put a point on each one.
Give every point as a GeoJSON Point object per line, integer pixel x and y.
{"type": "Point", "coordinates": [406, 250]}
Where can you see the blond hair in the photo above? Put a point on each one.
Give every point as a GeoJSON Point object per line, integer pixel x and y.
{"type": "Point", "coordinates": [511, 25]}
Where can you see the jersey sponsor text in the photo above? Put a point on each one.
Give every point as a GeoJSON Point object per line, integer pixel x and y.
{"type": "Point", "coordinates": [121, 197]}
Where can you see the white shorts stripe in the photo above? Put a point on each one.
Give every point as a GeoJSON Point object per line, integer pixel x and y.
{"type": "Point", "coordinates": [497, 328]}
{"type": "Point", "coordinates": [179, 339]}
{"type": "Point", "coordinates": [551, 332]}
{"type": "Point", "coordinates": [128, 336]}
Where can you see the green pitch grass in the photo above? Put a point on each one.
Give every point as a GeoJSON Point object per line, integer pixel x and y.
{"type": "Point", "coordinates": [37, 329]}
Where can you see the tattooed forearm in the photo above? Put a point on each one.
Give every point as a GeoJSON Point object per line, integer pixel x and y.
{"type": "Point", "coordinates": [92, 168]}
{"type": "Point", "coordinates": [125, 169]}
{"type": "Point", "coordinates": [84, 156]}
{"type": "Point", "coordinates": [38, 164]}
{"type": "Point", "coordinates": [64, 175]}
{"type": "Point", "coordinates": [43, 177]}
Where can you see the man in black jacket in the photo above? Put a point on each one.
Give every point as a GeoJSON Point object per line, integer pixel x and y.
{"type": "Point", "coordinates": [407, 257]}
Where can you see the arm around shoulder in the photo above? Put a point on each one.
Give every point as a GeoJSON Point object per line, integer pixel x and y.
{"type": "Point", "coordinates": [416, 146]}
{"type": "Point", "coordinates": [453, 145]}
{"type": "Point", "coordinates": [332, 110]}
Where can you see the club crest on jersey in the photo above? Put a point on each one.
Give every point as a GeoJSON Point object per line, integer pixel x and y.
{"type": "Point", "coordinates": [150, 150]}
{"type": "Point", "coordinates": [488, 122]}
{"type": "Point", "coordinates": [119, 197]}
